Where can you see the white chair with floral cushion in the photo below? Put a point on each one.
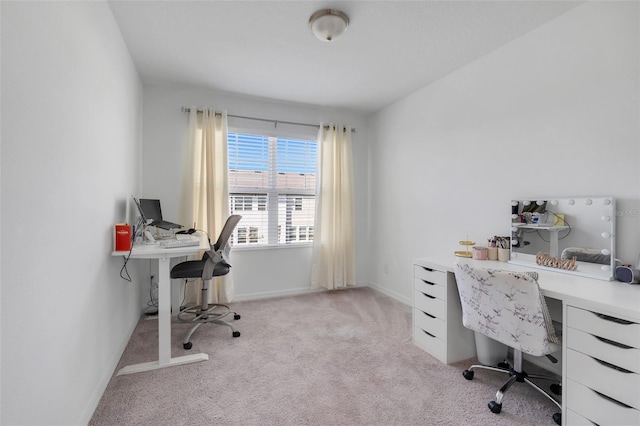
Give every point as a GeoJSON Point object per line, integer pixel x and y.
{"type": "Point", "coordinates": [508, 307]}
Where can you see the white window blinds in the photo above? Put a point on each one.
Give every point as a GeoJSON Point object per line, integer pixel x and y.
{"type": "Point", "coordinates": [272, 185]}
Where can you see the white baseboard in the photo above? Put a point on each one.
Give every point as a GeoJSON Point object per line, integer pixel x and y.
{"type": "Point", "coordinates": [271, 294]}
{"type": "Point", "coordinates": [307, 290]}
{"type": "Point", "coordinates": [400, 298]}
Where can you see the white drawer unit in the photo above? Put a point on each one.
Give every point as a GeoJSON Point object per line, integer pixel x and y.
{"type": "Point", "coordinates": [602, 368]}
{"type": "Point", "coordinates": [437, 316]}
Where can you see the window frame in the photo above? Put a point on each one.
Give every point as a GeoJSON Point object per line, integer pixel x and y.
{"type": "Point", "coordinates": [273, 193]}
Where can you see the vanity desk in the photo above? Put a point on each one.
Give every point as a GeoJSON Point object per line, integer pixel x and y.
{"type": "Point", "coordinates": [600, 329]}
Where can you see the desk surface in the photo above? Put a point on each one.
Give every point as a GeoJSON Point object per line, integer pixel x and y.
{"type": "Point", "coordinates": [155, 251]}
{"type": "Point", "coordinates": [611, 297]}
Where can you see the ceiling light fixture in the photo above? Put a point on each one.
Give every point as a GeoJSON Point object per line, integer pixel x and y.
{"type": "Point", "coordinates": [328, 24]}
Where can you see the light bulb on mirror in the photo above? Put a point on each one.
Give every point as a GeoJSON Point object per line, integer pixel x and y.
{"type": "Point", "coordinates": [514, 242]}
{"type": "Point", "coordinates": [526, 203]}
{"type": "Point", "coordinates": [605, 218]}
{"type": "Point", "coordinates": [605, 252]}
{"type": "Point", "coordinates": [605, 235]}
{"type": "Point", "coordinates": [571, 202]}
{"type": "Point", "coordinates": [606, 201]}
{"type": "Point", "coordinates": [588, 201]}
{"type": "Point", "coordinates": [514, 216]}
{"type": "Point", "coordinates": [540, 202]}
{"type": "Point", "coordinates": [514, 203]}
{"type": "Point", "coordinates": [554, 202]}
{"type": "Point", "coordinates": [606, 268]}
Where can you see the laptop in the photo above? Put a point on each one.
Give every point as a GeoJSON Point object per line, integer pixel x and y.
{"type": "Point", "coordinates": [150, 211]}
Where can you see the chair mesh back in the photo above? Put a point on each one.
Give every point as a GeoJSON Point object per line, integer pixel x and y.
{"type": "Point", "coordinates": [219, 251]}
{"type": "Point", "coordinates": [505, 306]}
{"type": "Point", "coordinates": [227, 230]}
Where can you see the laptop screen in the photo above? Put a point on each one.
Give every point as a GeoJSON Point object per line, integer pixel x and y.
{"type": "Point", "coordinates": [151, 209]}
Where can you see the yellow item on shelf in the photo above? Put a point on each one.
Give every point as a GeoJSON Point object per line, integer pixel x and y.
{"type": "Point", "coordinates": [465, 253]}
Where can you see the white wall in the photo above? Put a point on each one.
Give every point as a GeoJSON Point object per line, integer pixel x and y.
{"type": "Point", "coordinates": [71, 138]}
{"type": "Point", "coordinates": [553, 113]}
{"type": "Point", "coordinates": [259, 272]}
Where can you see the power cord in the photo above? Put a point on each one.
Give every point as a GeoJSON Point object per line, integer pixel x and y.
{"type": "Point", "coordinates": [152, 304]}
{"type": "Point", "coordinates": [184, 291]}
{"type": "Point", "coordinates": [124, 273]}
{"type": "Point", "coordinates": [564, 219]}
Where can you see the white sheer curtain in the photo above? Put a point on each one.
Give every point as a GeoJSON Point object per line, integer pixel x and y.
{"type": "Point", "coordinates": [205, 189]}
{"type": "Point", "coordinates": [333, 259]}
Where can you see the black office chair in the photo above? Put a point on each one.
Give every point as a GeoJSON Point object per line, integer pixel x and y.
{"type": "Point", "coordinates": [214, 263]}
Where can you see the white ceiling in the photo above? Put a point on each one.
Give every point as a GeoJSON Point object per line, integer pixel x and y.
{"type": "Point", "coordinates": [265, 49]}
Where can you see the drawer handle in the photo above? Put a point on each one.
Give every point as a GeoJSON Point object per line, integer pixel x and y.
{"type": "Point", "coordinates": [426, 332]}
{"type": "Point", "coordinates": [608, 398]}
{"type": "Point", "coordinates": [427, 269]}
{"type": "Point", "coordinates": [427, 282]}
{"type": "Point", "coordinates": [611, 342]}
{"type": "Point", "coordinates": [428, 295]}
{"type": "Point", "coordinates": [614, 367]}
{"type": "Point", "coordinates": [429, 315]}
{"type": "Point", "coordinates": [612, 319]}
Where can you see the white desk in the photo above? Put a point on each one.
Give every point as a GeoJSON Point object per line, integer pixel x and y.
{"type": "Point", "coordinates": [612, 297]}
{"type": "Point", "coordinates": [601, 335]}
{"type": "Point", "coordinates": [164, 256]}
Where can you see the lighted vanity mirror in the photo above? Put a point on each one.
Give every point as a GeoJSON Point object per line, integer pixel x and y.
{"type": "Point", "coordinates": [577, 235]}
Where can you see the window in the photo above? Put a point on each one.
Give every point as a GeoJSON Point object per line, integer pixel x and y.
{"type": "Point", "coordinates": [272, 182]}
{"type": "Point", "coordinates": [241, 233]}
{"type": "Point", "coordinates": [249, 202]}
{"type": "Point", "coordinates": [244, 232]}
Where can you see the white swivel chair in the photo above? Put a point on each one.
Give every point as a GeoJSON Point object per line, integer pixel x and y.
{"type": "Point", "coordinates": [507, 307]}
{"type": "Point", "coordinates": [214, 263]}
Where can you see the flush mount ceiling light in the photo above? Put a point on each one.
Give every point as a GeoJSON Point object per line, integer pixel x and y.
{"type": "Point", "coordinates": [328, 24]}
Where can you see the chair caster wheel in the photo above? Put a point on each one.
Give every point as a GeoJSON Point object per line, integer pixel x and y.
{"type": "Point", "coordinates": [236, 316]}
{"type": "Point", "coordinates": [504, 365]}
{"type": "Point", "coordinates": [495, 407]}
{"type": "Point", "coordinates": [236, 334]}
{"type": "Point", "coordinates": [187, 345]}
{"type": "Point", "coordinates": [557, 417]}
{"type": "Point", "coordinates": [556, 388]}
{"type": "Point", "coordinates": [467, 374]}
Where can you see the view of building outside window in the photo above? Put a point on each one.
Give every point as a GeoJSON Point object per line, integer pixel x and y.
{"type": "Point", "coordinates": [272, 185]}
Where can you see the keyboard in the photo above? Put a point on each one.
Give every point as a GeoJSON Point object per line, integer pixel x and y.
{"type": "Point", "coordinates": [180, 242]}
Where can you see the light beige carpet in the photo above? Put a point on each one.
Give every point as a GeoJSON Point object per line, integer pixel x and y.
{"type": "Point", "coordinates": [329, 358]}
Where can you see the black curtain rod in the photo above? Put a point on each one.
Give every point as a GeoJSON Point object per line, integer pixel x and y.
{"type": "Point", "coordinates": [275, 122]}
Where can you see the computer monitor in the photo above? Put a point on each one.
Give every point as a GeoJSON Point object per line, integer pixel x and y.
{"type": "Point", "coordinates": [150, 210]}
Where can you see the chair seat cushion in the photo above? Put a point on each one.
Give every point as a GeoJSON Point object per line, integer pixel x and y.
{"type": "Point", "coordinates": [193, 269]}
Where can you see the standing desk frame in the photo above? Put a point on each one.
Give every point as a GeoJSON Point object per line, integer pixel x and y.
{"type": "Point", "coordinates": [164, 256]}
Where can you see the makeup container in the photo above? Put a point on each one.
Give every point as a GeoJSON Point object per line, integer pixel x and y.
{"type": "Point", "coordinates": [479, 253]}
{"type": "Point", "coordinates": [503, 254]}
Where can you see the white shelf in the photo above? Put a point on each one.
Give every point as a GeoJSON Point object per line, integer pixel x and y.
{"type": "Point", "coordinates": [553, 234]}
{"type": "Point", "coordinates": [551, 228]}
